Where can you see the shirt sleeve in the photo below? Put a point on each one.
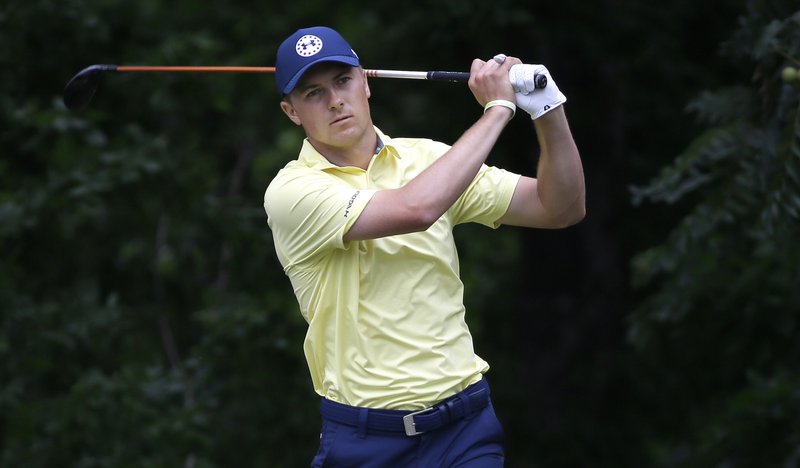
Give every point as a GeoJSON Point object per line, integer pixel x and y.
{"type": "Point", "coordinates": [309, 213]}
{"type": "Point", "coordinates": [487, 197]}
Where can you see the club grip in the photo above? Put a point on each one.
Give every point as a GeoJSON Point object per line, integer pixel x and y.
{"type": "Point", "coordinates": [461, 77]}
{"type": "Point", "coordinates": [540, 80]}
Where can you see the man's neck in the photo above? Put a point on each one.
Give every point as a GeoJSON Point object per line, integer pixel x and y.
{"type": "Point", "coordinates": [357, 155]}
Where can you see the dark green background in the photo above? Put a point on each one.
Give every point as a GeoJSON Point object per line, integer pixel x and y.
{"type": "Point", "coordinates": [146, 320]}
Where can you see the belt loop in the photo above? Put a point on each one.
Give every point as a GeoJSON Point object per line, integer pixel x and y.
{"type": "Point", "coordinates": [467, 404]}
{"type": "Point", "coordinates": [452, 414]}
{"type": "Point", "coordinates": [363, 416]}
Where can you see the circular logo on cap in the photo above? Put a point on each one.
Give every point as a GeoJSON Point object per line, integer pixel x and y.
{"type": "Point", "coordinates": [308, 45]}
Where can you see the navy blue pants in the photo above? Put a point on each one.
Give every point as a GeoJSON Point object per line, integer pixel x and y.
{"type": "Point", "coordinates": [475, 441]}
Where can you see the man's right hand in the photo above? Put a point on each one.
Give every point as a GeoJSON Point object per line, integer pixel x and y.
{"type": "Point", "coordinates": [489, 81]}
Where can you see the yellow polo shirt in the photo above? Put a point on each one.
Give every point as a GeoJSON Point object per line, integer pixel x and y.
{"type": "Point", "coordinates": [385, 316]}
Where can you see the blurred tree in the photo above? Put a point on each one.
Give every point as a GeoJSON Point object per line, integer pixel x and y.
{"type": "Point", "coordinates": [717, 333]}
{"type": "Point", "coordinates": [146, 322]}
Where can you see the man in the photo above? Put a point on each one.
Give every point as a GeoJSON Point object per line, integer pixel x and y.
{"type": "Point", "coordinates": [362, 224]}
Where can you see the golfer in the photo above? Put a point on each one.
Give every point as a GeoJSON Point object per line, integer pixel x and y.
{"type": "Point", "coordinates": [362, 224]}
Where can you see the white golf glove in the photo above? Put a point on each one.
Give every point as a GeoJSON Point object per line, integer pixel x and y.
{"type": "Point", "coordinates": [535, 102]}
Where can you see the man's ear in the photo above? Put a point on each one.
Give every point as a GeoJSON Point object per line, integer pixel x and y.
{"type": "Point", "coordinates": [366, 84]}
{"type": "Point", "coordinates": [288, 109]}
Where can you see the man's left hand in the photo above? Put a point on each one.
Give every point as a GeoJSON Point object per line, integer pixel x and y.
{"type": "Point", "coordinates": [535, 102]}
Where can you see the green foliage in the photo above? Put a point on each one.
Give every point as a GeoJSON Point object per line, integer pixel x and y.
{"type": "Point", "coordinates": [144, 318]}
{"type": "Point", "coordinates": [129, 234]}
{"type": "Point", "coordinates": [719, 324]}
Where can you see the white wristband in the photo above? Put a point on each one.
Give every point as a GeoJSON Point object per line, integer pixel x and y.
{"type": "Point", "coordinates": [501, 102]}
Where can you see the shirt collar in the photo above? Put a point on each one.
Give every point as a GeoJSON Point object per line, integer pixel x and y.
{"type": "Point", "coordinates": [312, 158]}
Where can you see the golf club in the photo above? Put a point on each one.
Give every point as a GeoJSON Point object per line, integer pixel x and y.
{"type": "Point", "coordinates": [82, 87]}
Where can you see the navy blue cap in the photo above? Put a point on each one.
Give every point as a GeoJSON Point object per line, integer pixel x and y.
{"type": "Point", "coordinates": [306, 48]}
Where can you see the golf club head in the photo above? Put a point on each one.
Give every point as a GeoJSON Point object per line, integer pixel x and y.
{"type": "Point", "coordinates": [81, 88]}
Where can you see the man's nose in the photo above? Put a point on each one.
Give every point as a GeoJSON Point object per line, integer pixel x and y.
{"type": "Point", "coordinates": [335, 100]}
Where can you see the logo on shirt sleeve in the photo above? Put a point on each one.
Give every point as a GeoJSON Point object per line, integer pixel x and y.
{"type": "Point", "coordinates": [350, 203]}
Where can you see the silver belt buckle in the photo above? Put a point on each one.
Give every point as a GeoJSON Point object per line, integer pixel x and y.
{"type": "Point", "coordinates": [410, 425]}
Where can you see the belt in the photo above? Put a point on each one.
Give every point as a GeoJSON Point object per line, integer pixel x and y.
{"type": "Point", "coordinates": [472, 399]}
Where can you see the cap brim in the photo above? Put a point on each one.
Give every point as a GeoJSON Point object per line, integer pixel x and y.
{"type": "Point", "coordinates": [352, 61]}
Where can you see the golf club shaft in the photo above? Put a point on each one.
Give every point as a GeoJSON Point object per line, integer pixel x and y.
{"type": "Point", "coordinates": [81, 88]}
{"type": "Point", "coordinates": [412, 75]}
{"type": "Point", "coordinates": [148, 68]}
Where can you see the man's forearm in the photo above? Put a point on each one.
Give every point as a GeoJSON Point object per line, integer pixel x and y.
{"type": "Point", "coordinates": [439, 186]}
{"type": "Point", "coordinates": [418, 204]}
{"type": "Point", "coordinates": [560, 176]}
